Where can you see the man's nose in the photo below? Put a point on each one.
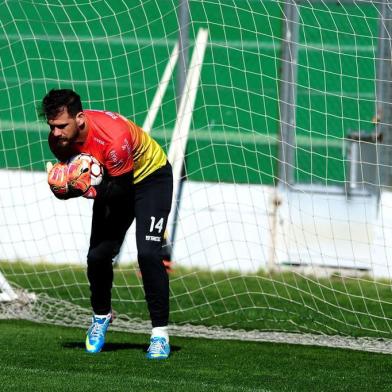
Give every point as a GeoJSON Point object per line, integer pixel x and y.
{"type": "Point", "coordinates": [56, 132]}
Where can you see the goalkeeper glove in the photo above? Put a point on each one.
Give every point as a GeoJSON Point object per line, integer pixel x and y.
{"type": "Point", "coordinates": [79, 179]}
{"type": "Point", "coordinates": [57, 179]}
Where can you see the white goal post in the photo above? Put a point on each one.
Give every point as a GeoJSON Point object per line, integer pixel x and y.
{"type": "Point", "coordinates": [7, 293]}
{"type": "Point", "coordinates": [179, 140]}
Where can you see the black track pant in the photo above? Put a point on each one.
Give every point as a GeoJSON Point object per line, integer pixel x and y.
{"type": "Point", "coordinates": [150, 206]}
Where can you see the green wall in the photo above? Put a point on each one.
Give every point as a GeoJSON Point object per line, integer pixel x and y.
{"type": "Point", "coordinates": [114, 57]}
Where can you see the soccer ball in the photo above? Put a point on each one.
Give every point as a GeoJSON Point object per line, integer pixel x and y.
{"type": "Point", "coordinates": [96, 169]}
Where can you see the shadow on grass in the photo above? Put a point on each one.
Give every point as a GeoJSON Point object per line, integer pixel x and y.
{"type": "Point", "coordinates": [115, 346]}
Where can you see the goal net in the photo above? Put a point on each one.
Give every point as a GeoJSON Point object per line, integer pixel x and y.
{"type": "Point", "coordinates": [280, 130]}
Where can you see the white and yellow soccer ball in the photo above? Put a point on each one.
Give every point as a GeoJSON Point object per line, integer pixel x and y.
{"type": "Point", "coordinates": [95, 167]}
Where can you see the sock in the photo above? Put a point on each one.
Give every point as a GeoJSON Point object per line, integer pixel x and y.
{"type": "Point", "coordinates": [102, 315]}
{"type": "Point", "coordinates": [161, 332]}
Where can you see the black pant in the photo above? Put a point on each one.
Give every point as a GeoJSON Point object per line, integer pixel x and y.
{"type": "Point", "coordinates": [150, 205]}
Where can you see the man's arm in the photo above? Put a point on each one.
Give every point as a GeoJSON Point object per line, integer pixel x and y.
{"type": "Point", "coordinates": [115, 189]}
{"type": "Point", "coordinates": [67, 182]}
{"type": "Point", "coordinates": [110, 190]}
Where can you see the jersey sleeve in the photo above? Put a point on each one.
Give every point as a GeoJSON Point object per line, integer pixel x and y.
{"type": "Point", "coordinates": [118, 155]}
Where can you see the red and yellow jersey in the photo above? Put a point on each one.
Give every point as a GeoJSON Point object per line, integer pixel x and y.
{"type": "Point", "coordinates": [120, 145]}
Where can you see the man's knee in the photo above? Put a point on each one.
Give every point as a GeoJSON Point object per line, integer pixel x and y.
{"type": "Point", "coordinates": [151, 254]}
{"type": "Point", "coordinates": [103, 253]}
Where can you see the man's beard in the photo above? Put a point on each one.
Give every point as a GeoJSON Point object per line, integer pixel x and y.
{"type": "Point", "coordinates": [64, 149]}
{"type": "Point", "coordinates": [63, 142]}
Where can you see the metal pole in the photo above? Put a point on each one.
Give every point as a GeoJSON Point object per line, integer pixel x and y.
{"type": "Point", "coordinates": [287, 102]}
{"type": "Point", "coordinates": [183, 48]}
{"type": "Point", "coordinates": [288, 94]}
{"type": "Point", "coordinates": [354, 161]}
{"type": "Point", "coordinates": [182, 69]}
{"type": "Point", "coordinates": [384, 93]}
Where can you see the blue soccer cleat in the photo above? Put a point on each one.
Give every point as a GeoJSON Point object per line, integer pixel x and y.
{"type": "Point", "coordinates": [96, 333]}
{"type": "Point", "coordinates": [159, 348]}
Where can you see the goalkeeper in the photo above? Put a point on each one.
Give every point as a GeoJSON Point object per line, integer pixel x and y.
{"type": "Point", "coordinates": [137, 184]}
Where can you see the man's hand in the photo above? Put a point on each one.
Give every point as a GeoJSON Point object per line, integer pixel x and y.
{"type": "Point", "coordinates": [58, 179]}
{"type": "Point", "coordinates": [79, 179]}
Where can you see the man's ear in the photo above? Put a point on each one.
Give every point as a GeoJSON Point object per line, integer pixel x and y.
{"type": "Point", "coordinates": [80, 119]}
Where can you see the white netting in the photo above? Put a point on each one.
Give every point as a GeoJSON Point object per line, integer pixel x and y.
{"type": "Point", "coordinates": [289, 93]}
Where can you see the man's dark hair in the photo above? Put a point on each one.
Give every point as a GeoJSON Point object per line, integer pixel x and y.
{"type": "Point", "coordinates": [55, 101]}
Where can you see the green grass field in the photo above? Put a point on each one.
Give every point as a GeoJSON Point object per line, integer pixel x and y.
{"type": "Point", "coordinates": [36, 357]}
{"type": "Point", "coordinates": [287, 302]}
